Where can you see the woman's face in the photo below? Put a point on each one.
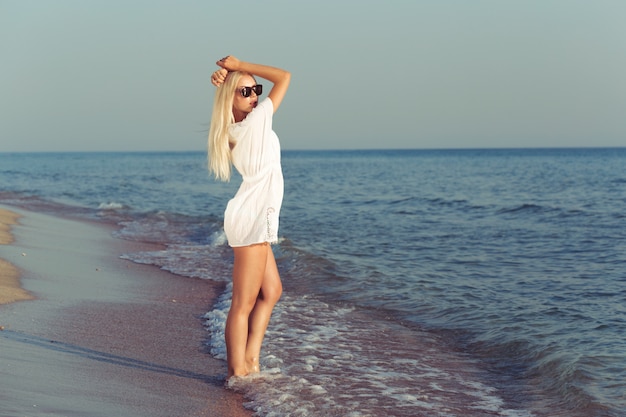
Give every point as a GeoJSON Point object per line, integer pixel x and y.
{"type": "Point", "coordinates": [244, 105]}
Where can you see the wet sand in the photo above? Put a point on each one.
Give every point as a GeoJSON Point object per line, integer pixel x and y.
{"type": "Point", "coordinates": [85, 333]}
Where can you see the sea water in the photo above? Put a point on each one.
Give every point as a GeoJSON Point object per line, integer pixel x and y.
{"type": "Point", "coordinates": [416, 282]}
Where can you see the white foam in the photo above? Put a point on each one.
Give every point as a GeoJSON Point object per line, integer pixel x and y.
{"type": "Point", "coordinates": [320, 360]}
{"type": "Point", "coordinates": [110, 206]}
{"type": "Point", "coordinates": [218, 238]}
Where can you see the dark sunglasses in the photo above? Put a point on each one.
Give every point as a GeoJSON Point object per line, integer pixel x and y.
{"type": "Point", "coordinates": [247, 91]}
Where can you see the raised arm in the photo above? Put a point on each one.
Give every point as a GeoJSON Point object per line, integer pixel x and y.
{"type": "Point", "coordinates": [278, 77]}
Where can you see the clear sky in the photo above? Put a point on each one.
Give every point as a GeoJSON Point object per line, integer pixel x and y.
{"type": "Point", "coordinates": [120, 75]}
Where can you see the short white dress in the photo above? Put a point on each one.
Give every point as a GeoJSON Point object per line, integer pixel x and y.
{"type": "Point", "coordinates": [251, 216]}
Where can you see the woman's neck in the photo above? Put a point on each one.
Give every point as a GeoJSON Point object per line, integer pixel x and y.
{"type": "Point", "coordinates": [239, 115]}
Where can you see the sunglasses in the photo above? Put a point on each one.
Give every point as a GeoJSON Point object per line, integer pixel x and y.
{"type": "Point", "coordinates": [247, 91]}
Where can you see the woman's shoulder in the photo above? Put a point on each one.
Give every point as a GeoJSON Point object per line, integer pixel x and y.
{"type": "Point", "coordinates": [266, 105]}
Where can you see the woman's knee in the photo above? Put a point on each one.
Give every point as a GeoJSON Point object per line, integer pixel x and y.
{"type": "Point", "coordinates": [272, 293]}
{"type": "Point", "coordinates": [242, 304]}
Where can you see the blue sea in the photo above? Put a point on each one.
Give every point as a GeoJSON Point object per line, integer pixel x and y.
{"type": "Point", "coordinates": [416, 282]}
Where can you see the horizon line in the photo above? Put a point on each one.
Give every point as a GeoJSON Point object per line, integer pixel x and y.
{"type": "Point", "coordinates": [321, 150]}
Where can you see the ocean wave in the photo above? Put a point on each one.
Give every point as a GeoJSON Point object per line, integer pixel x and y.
{"type": "Point", "coordinates": [526, 207]}
{"type": "Point", "coordinates": [321, 359]}
{"type": "Point", "coordinates": [112, 206]}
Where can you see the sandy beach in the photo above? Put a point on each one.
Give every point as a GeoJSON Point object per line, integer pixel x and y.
{"type": "Point", "coordinates": [85, 333]}
{"type": "Point", "coordinates": [10, 290]}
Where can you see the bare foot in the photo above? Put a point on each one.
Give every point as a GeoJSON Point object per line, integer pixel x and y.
{"type": "Point", "coordinates": [234, 380]}
{"type": "Point", "coordinates": [237, 373]}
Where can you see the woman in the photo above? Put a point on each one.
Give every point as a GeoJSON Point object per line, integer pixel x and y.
{"type": "Point", "coordinates": [241, 134]}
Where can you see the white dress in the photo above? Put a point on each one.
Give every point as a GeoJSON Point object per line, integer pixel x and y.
{"type": "Point", "coordinates": [251, 216]}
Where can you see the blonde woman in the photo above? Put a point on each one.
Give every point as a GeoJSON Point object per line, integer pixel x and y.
{"type": "Point", "coordinates": [241, 135]}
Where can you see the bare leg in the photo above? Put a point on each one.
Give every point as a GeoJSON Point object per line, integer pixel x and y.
{"type": "Point", "coordinates": [248, 272]}
{"type": "Point", "coordinates": [271, 290]}
{"type": "Point", "coordinates": [256, 290]}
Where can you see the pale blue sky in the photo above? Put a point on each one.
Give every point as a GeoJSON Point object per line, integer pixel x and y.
{"type": "Point", "coordinates": [91, 75]}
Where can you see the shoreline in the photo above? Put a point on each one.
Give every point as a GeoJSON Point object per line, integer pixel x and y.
{"type": "Point", "coordinates": [101, 335]}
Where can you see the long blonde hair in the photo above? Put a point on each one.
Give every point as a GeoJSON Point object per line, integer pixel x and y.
{"type": "Point", "coordinates": [219, 154]}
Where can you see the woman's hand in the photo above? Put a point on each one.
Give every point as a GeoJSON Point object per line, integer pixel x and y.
{"type": "Point", "coordinates": [229, 63]}
{"type": "Point", "coordinates": [218, 77]}
{"type": "Point", "coordinates": [279, 77]}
